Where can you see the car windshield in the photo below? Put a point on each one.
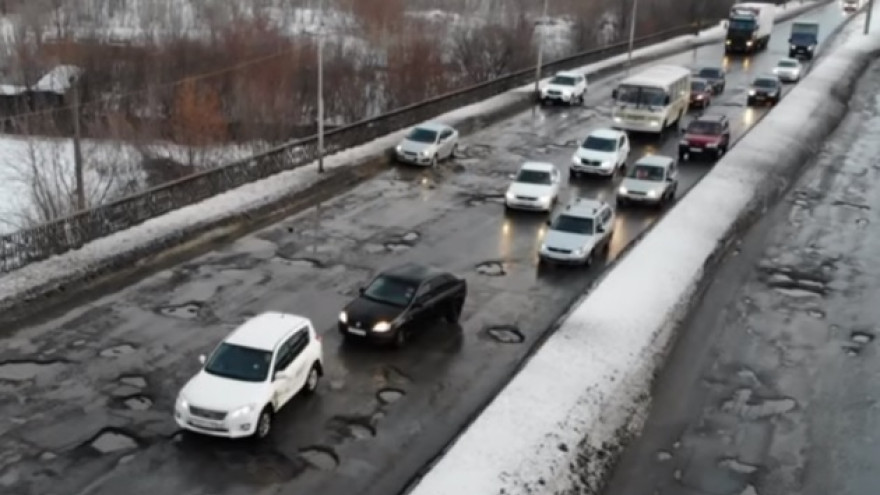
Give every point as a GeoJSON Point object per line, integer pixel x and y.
{"type": "Point", "coordinates": [765, 83]}
{"type": "Point", "coordinates": [420, 135]}
{"type": "Point", "coordinates": [599, 144]}
{"type": "Point", "coordinates": [563, 81]}
{"type": "Point", "coordinates": [534, 177]}
{"type": "Point", "coordinates": [698, 85]}
{"type": "Point", "coordinates": [788, 63]}
{"type": "Point", "coordinates": [239, 363]}
{"type": "Point", "coordinates": [704, 128]}
{"type": "Point", "coordinates": [709, 73]}
{"type": "Point", "coordinates": [573, 225]}
{"type": "Point", "coordinates": [641, 95]}
{"type": "Point", "coordinates": [742, 25]}
{"type": "Point", "coordinates": [646, 172]}
{"type": "Point", "coordinates": [391, 291]}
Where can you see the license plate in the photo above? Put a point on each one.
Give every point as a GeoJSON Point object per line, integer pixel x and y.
{"type": "Point", "coordinates": [696, 150]}
{"type": "Point", "coordinates": [357, 331]}
{"type": "Point", "coordinates": [211, 425]}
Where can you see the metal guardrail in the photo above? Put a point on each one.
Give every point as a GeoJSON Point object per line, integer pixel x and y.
{"type": "Point", "coordinates": [64, 234]}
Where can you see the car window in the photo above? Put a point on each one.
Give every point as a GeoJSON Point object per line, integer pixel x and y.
{"type": "Point", "coordinates": [709, 73]}
{"type": "Point", "coordinates": [563, 81]}
{"type": "Point", "coordinates": [788, 63]}
{"type": "Point", "coordinates": [702, 127]}
{"type": "Point", "coordinates": [620, 143]}
{"type": "Point", "coordinates": [599, 144]}
{"type": "Point", "coordinates": [698, 85]}
{"type": "Point", "coordinates": [392, 291]}
{"type": "Point", "coordinates": [445, 134]}
{"type": "Point", "coordinates": [573, 225]}
{"type": "Point", "coordinates": [239, 363]}
{"type": "Point", "coordinates": [534, 177]}
{"type": "Point", "coordinates": [421, 135]}
{"type": "Point", "coordinates": [646, 172]}
{"type": "Point", "coordinates": [765, 83]}
{"type": "Point", "coordinates": [606, 216]}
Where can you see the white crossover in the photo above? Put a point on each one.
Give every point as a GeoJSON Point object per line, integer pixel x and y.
{"type": "Point", "coordinates": [250, 376]}
{"type": "Point", "coordinates": [788, 70]}
{"type": "Point", "coordinates": [427, 144]}
{"type": "Point", "coordinates": [565, 87]}
{"type": "Point", "coordinates": [534, 187]}
{"type": "Point", "coordinates": [604, 152]}
{"type": "Point", "coordinates": [653, 179]}
{"type": "Point", "coordinates": [580, 232]}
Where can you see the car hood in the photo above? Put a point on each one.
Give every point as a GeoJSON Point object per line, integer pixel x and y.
{"type": "Point", "coordinates": [559, 87]}
{"type": "Point", "coordinates": [213, 392]}
{"type": "Point", "coordinates": [567, 240]}
{"type": "Point", "coordinates": [643, 186]}
{"type": "Point", "coordinates": [530, 190]}
{"type": "Point", "coordinates": [414, 146]}
{"type": "Point", "coordinates": [599, 156]}
{"type": "Point", "coordinates": [368, 312]}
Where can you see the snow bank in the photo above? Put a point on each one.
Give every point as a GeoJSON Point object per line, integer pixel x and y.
{"type": "Point", "coordinates": [127, 247]}
{"type": "Point", "coordinates": [557, 427]}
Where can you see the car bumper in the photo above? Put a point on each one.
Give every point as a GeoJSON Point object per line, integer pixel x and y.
{"type": "Point", "coordinates": [557, 98]}
{"type": "Point", "coordinates": [604, 170]}
{"type": "Point", "coordinates": [787, 76]}
{"type": "Point", "coordinates": [638, 125]}
{"type": "Point", "coordinates": [631, 197]}
{"type": "Point", "coordinates": [761, 97]}
{"type": "Point", "coordinates": [226, 428]}
{"type": "Point", "coordinates": [413, 159]}
{"type": "Point", "coordinates": [698, 101]}
{"type": "Point", "coordinates": [562, 258]}
{"type": "Point", "coordinates": [696, 149]}
{"type": "Point", "coordinates": [366, 335]}
{"type": "Point", "coordinates": [531, 205]}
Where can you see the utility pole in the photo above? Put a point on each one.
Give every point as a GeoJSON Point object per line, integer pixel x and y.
{"type": "Point", "coordinates": [632, 35]}
{"type": "Point", "coordinates": [321, 87]}
{"type": "Point", "coordinates": [540, 50]}
{"type": "Point", "coordinates": [868, 16]}
{"type": "Point", "coordinates": [77, 149]}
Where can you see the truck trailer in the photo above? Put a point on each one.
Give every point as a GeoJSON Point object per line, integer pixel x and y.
{"type": "Point", "coordinates": [803, 40]}
{"type": "Point", "coordinates": [749, 26]}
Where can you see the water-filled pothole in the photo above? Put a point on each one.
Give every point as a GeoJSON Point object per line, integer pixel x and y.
{"type": "Point", "coordinates": [20, 371]}
{"type": "Point", "coordinates": [304, 262]}
{"type": "Point", "coordinates": [138, 403]}
{"type": "Point", "coordinates": [862, 338]}
{"type": "Point", "coordinates": [412, 236]}
{"type": "Point", "coordinates": [480, 200]}
{"type": "Point", "coordinates": [505, 334]}
{"type": "Point", "coordinates": [186, 311]}
{"type": "Point", "coordinates": [134, 381]}
{"type": "Point", "coordinates": [396, 247]}
{"type": "Point", "coordinates": [491, 268]}
{"type": "Point", "coordinates": [110, 440]}
{"type": "Point", "coordinates": [322, 458]}
{"type": "Point", "coordinates": [390, 395]}
{"type": "Point", "coordinates": [352, 427]}
{"type": "Point", "coordinates": [862, 222]}
{"type": "Point", "coordinates": [118, 350]}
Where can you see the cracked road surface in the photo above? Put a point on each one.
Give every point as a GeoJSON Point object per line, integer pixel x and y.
{"type": "Point", "coordinates": [87, 396]}
{"type": "Point", "coordinates": [772, 387]}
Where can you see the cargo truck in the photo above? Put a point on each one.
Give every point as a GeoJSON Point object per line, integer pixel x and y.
{"type": "Point", "coordinates": [804, 39]}
{"type": "Point", "coordinates": [749, 27]}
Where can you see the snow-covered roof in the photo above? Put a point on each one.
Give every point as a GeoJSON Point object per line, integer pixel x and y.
{"type": "Point", "coordinates": [659, 75]}
{"type": "Point", "coordinates": [11, 89]}
{"type": "Point", "coordinates": [58, 80]}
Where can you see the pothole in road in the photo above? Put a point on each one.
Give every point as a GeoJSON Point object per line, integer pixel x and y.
{"type": "Point", "coordinates": [110, 440]}
{"type": "Point", "coordinates": [816, 313]}
{"type": "Point", "coordinates": [474, 151]}
{"type": "Point", "coordinates": [491, 268]}
{"type": "Point", "coordinates": [21, 371]}
{"type": "Point", "coordinates": [186, 311]}
{"type": "Point", "coordinates": [390, 395]}
{"type": "Point", "coordinates": [505, 334]}
{"type": "Point", "coordinates": [861, 338]}
{"type": "Point", "coordinates": [396, 247]}
{"type": "Point", "coordinates": [352, 427]}
{"type": "Point", "coordinates": [482, 199]}
{"type": "Point", "coordinates": [117, 351]}
{"type": "Point", "coordinates": [736, 466]}
{"type": "Point", "coordinates": [852, 350]}
{"type": "Point", "coordinates": [796, 284]}
{"type": "Point", "coordinates": [403, 242]}
{"type": "Point", "coordinates": [322, 458]}
{"type": "Point", "coordinates": [862, 222]}
{"type": "Point", "coordinates": [850, 204]}
{"type": "Point", "coordinates": [744, 404]}
{"type": "Point", "coordinates": [138, 402]}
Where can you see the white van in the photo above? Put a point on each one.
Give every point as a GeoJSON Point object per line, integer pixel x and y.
{"type": "Point", "coordinates": [652, 100]}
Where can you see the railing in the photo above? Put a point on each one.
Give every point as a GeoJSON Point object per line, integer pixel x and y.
{"type": "Point", "coordinates": [64, 234]}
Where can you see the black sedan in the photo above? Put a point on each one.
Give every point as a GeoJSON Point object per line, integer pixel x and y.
{"type": "Point", "coordinates": [765, 90]}
{"type": "Point", "coordinates": [399, 301]}
{"type": "Point", "coordinates": [715, 76]}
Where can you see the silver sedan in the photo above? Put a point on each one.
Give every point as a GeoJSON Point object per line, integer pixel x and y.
{"type": "Point", "coordinates": [788, 70]}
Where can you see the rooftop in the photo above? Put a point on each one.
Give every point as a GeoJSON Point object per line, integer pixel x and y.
{"type": "Point", "coordinates": [265, 330]}
{"type": "Point", "coordinates": [655, 160]}
{"type": "Point", "coordinates": [607, 133]}
{"type": "Point", "coordinates": [433, 126]}
{"type": "Point", "coordinates": [538, 166]}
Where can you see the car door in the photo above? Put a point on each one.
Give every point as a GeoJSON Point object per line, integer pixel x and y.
{"type": "Point", "coordinates": [624, 149]}
{"type": "Point", "coordinates": [281, 373]}
{"type": "Point", "coordinates": [606, 219]}
{"type": "Point", "coordinates": [422, 310]}
{"type": "Point", "coordinates": [556, 179]}
{"type": "Point", "coordinates": [725, 133]}
{"type": "Point", "coordinates": [446, 142]}
{"type": "Point", "coordinates": [300, 365]}
{"type": "Point", "coordinates": [672, 176]}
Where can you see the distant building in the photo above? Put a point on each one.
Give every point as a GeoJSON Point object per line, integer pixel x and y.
{"type": "Point", "coordinates": [52, 90]}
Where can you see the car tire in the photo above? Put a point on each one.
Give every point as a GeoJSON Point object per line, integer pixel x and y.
{"type": "Point", "coordinates": [588, 262]}
{"type": "Point", "coordinates": [434, 162]}
{"type": "Point", "coordinates": [313, 379]}
{"type": "Point", "coordinates": [400, 339]}
{"type": "Point", "coordinates": [682, 157]}
{"type": "Point", "coordinates": [453, 313]}
{"type": "Point", "coordinates": [572, 174]}
{"type": "Point", "coordinates": [750, 102]}
{"type": "Point", "coordinates": [454, 152]}
{"type": "Point", "coordinates": [264, 424]}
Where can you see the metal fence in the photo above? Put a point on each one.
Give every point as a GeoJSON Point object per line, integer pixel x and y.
{"type": "Point", "coordinates": [58, 236]}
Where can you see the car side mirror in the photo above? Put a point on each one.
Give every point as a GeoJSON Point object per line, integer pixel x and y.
{"type": "Point", "coordinates": [600, 229]}
{"type": "Point", "coordinates": [614, 93]}
{"type": "Point", "coordinates": [361, 290]}
{"type": "Point", "coordinates": [279, 375]}
{"type": "Point", "coordinates": [203, 359]}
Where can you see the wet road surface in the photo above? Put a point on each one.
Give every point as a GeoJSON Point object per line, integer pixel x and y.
{"type": "Point", "coordinates": [772, 387]}
{"type": "Point", "coordinates": [87, 397]}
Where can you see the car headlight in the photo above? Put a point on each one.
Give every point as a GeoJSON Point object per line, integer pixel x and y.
{"type": "Point", "coordinates": [576, 160]}
{"type": "Point", "coordinates": [793, 47]}
{"type": "Point", "coordinates": [711, 145]}
{"type": "Point", "coordinates": [655, 123]}
{"type": "Point", "coordinates": [343, 317]}
{"type": "Point", "coordinates": [426, 153]}
{"type": "Point", "coordinates": [811, 47]}
{"type": "Point", "coordinates": [241, 411]}
{"type": "Point", "coordinates": [652, 194]}
{"type": "Point", "coordinates": [399, 148]}
{"type": "Point", "coordinates": [510, 195]}
{"type": "Point", "coordinates": [182, 404]}
{"type": "Point", "coordinates": [683, 142]}
{"type": "Point", "coordinates": [727, 42]}
{"type": "Point", "coordinates": [578, 252]}
{"type": "Point", "coordinates": [748, 43]}
{"type": "Point", "coordinates": [544, 199]}
{"type": "Point", "coordinates": [751, 92]}
{"type": "Point", "coordinates": [382, 326]}
{"type": "Point", "coordinates": [621, 190]}
{"type": "Point", "coordinates": [699, 97]}
{"type": "Point", "coordinates": [618, 119]}
{"type": "Point", "coordinates": [543, 246]}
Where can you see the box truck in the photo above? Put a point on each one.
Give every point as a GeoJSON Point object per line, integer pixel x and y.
{"type": "Point", "coordinates": [803, 40]}
{"type": "Point", "coordinates": [749, 26]}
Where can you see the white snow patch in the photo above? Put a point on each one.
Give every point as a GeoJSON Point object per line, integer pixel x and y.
{"type": "Point", "coordinates": [58, 79]}
{"type": "Point", "coordinates": [79, 262]}
{"type": "Point", "coordinates": [581, 387]}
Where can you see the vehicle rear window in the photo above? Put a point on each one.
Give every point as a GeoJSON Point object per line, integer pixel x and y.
{"type": "Point", "coordinates": [421, 135]}
{"type": "Point", "coordinates": [563, 80]}
{"type": "Point", "coordinates": [646, 172]}
{"type": "Point", "coordinates": [765, 83]}
{"type": "Point", "coordinates": [599, 144]}
{"type": "Point", "coordinates": [698, 85]}
{"type": "Point", "coordinates": [709, 73]}
{"type": "Point", "coordinates": [534, 177]}
{"type": "Point", "coordinates": [703, 127]}
{"type": "Point", "coordinates": [573, 225]}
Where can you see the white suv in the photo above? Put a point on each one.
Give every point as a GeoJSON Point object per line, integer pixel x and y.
{"type": "Point", "coordinates": [250, 376]}
{"type": "Point", "coordinates": [534, 187]}
{"type": "Point", "coordinates": [566, 87]}
{"type": "Point", "coordinates": [582, 230]}
{"type": "Point", "coordinates": [604, 152]}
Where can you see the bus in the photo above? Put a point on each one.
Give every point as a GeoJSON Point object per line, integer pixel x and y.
{"type": "Point", "coordinates": [652, 100]}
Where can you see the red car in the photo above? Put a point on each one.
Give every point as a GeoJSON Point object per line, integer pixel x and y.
{"type": "Point", "coordinates": [701, 93]}
{"type": "Point", "coordinates": [707, 135]}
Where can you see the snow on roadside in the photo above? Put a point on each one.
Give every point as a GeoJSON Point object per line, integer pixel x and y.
{"type": "Point", "coordinates": [557, 427]}
{"type": "Point", "coordinates": [69, 265]}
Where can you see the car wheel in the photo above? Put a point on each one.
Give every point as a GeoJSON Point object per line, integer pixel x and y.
{"type": "Point", "coordinates": [750, 102]}
{"type": "Point", "coordinates": [454, 312]}
{"type": "Point", "coordinates": [434, 162]}
{"type": "Point", "coordinates": [589, 260]}
{"type": "Point", "coordinates": [400, 338]}
{"type": "Point", "coordinates": [313, 379]}
{"type": "Point", "coordinates": [454, 152]}
{"type": "Point", "coordinates": [264, 424]}
{"type": "Point", "coordinates": [571, 174]}
{"type": "Point", "coordinates": [682, 156]}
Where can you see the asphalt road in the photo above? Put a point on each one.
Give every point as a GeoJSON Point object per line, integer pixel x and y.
{"type": "Point", "coordinates": [772, 386]}
{"type": "Point", "coordinates": [87, 396]}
